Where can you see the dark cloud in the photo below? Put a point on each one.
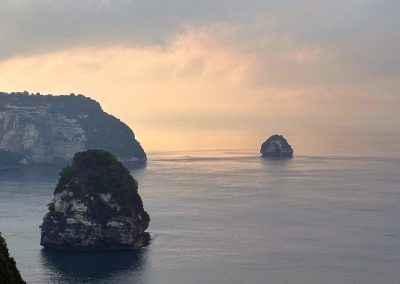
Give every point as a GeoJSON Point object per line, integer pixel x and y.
{"type": "Point", "coordinates": [35, 26]}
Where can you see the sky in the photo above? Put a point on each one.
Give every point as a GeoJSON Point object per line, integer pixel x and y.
{"type": "Point", "coordinates": [201, 75]}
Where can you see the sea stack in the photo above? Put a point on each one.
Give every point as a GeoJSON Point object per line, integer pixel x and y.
{"type": "Point", "coordinates": [276, 146]}
{"type": "Point", "coordinates": [96, 206]}
{"type": "Point", "coordinates": [8, 270]}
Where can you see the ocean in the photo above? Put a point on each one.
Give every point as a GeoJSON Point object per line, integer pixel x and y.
{"type": "Point", "coordinates": [229, 217]}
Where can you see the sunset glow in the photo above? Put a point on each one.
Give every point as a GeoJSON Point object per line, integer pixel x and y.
{"type": "Point", "coordinates": [225, 85]}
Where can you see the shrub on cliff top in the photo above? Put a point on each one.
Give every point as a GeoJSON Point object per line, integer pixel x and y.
{"type": "Point", "coordinates": [94, 172]}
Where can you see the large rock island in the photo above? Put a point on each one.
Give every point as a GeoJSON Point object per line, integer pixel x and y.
{"type": "Point", "coordinates": [51, 129]}
{"type": "Point", "coordinates": [276, 146]}
{"type": "Point", "coordinates": [96, 206]}
{"type": "Point", "coordinates": [8, 270]}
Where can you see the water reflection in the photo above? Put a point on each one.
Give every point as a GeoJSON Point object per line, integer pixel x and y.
{"type": "Point", "coordinates": [94, 267]}
{"type": "Point", "coordinates": [272, 161]}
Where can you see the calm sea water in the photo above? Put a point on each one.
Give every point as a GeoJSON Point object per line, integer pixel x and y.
{"type": "Point", "coordinates": [229, 218]}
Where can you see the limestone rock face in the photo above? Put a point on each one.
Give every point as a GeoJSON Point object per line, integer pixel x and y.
{"type": "Point", "coordinates": [96, 206]}
{"type": "Point", "coordinates": [41, 137]}
{"type": "Point", "coordinates": [276, 146]}
{"type": "Point", "coordinates": [50, 129]}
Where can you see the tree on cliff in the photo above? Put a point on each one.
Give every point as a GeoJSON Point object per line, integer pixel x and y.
{"type": "Point", "coordinates": [8, 270]}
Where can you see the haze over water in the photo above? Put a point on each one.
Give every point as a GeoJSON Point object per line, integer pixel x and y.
{"type": "Point", "coordinates": [229, 217]}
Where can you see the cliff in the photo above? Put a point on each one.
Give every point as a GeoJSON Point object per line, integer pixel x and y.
{"type": "Point", "coordinates": [8, 270]}
{"type": "Point", "coordinates": [51, 129]}
{"type": "Point", "coordinates": [96, 206]}
{"type": "Point", "coordinates": [276, 146]}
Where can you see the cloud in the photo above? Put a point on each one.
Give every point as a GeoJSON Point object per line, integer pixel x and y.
{"type": "Point", "coordinates": [357, 36]}
{"type": "Point", "coordinates": [203, 78]}
{"type": "Point", "coordinates": [45, 25]}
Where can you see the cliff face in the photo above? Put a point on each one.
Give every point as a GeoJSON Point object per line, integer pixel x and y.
{"type": "Point", "coordinates": [96, 206]}
{"type": "Point", "coordinates": [276, 146]}
{"type": "Point", "coordinates": [48, 129]}
{"type": "Point", "coordinates": [40, 136]}
{"type": "Point", "coordinates": [8, 270]}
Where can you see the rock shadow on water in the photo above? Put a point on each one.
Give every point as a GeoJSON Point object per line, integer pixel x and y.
{"type": "Point", "coordinates": [94, 266]}
{"type": "Point", "coordinates": [275, 161]}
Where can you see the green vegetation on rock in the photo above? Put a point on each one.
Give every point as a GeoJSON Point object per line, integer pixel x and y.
{"type": "Point", "coordinates": [95, 172]}
{"type": "Point", "coordinates": [8, 270]}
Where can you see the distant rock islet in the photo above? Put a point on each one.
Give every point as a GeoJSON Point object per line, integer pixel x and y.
{"type": "Point", "coordinates": [276, 146]}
